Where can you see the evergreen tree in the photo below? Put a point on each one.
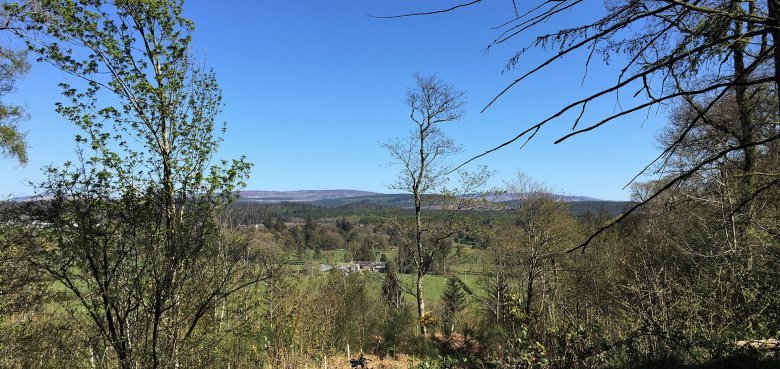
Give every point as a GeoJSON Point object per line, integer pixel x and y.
{"type": "Point", "coordinates": [344, 226]}
{"type": "Point", "coordinates": [391, 288]}
{"type": "Point", "coordinates": [454, 299]}
{"type": "Point", "coordinates": [279, 225]}
{"type": "Point", "coordinates": [309, 232]}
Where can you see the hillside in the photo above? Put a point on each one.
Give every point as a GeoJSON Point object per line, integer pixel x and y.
{"type": "Point", "coordinates": [338, 198]}
{"type": "Point", "coordinates": [300, 196]}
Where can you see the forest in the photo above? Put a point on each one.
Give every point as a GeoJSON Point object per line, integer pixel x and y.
{"type": "Point", "coordinates": [142, 254]}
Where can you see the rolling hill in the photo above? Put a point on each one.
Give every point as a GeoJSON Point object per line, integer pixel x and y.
{"type": "Point", "coordinates": [335, 198]}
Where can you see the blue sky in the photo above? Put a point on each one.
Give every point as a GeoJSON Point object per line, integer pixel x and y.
{"type": "Point", "coordinates": [312, 89]}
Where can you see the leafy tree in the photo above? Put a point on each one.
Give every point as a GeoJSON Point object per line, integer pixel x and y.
{"type": "Point", "coordinates": [13, 65]}
{"type": "Point", "coordinates": [362, 251]}
{"type": "Point", "coordinates": [132, 224]}
{"type": "Point", "coordinates": [328, 240]}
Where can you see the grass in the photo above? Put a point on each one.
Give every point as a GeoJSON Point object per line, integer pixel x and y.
{"type": "Point", "coordinates": [433, 288]}
{"type": "Point", "coordinates": [468, 263]}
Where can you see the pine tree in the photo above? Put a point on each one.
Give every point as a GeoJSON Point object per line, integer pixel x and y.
{"type": "Point", "coordinates": [454, 301]}
{"type": "Point", "coordinates": [391, 288]}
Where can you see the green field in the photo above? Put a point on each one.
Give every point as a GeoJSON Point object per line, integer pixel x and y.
{"type": "Point", "coordinates": [464, 267]}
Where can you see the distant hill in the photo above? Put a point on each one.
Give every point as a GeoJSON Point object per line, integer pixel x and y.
{"type": "Point", "coordinates": [336, 198]}
{"type": "Point", "coordinates": [398, 200]}
{"type": "Point", "coordinates": [343, 197]}
{"type": "Point", "coordinates": [301, 196]}
{"type": "Point", "coordinates": [509, 197]}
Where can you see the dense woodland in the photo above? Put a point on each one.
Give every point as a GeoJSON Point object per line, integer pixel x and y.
{"type": "Point", "coordinates": [138, 255]}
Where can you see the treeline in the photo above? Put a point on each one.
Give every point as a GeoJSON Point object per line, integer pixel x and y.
{"type": "Point", "coordinates": [248, 213]}
{"type": "Point", "coordinates": [259, 213]}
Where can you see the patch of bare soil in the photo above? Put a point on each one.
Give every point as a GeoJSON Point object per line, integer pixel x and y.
{"type": "Point", "coordinates": [341, 362]}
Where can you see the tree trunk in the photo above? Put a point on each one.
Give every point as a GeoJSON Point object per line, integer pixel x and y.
{"type": "Point", "coordinates": [420, 260]}
{"type": "Point", "coordinates": [421, 256]}
{"type": "Point", "coordinates": [420, 302]}
{"type": "Point", "coordinates": [774, 19]}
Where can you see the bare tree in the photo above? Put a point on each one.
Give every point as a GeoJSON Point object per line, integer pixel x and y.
{"type": "Point", "coordinates": [424, 157]}
{"type": "Point", "coordinates": [699, 51]}
{"type": "Point", "coordinates": [542, 229]}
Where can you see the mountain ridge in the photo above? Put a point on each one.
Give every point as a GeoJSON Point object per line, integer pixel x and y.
{"type": "Point", "coordinates": [347, 194]}
{"type": "Point", "coordinates": [300, 195]}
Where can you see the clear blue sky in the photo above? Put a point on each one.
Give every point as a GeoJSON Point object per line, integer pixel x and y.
{"type": "Point", "coordinates": [312, 88]}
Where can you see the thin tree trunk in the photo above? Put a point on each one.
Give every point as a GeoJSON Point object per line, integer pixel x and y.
{"type": "Point", "coordinates": [421, 262]}
{"type": "Point", "coordinates": [774, 27]}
